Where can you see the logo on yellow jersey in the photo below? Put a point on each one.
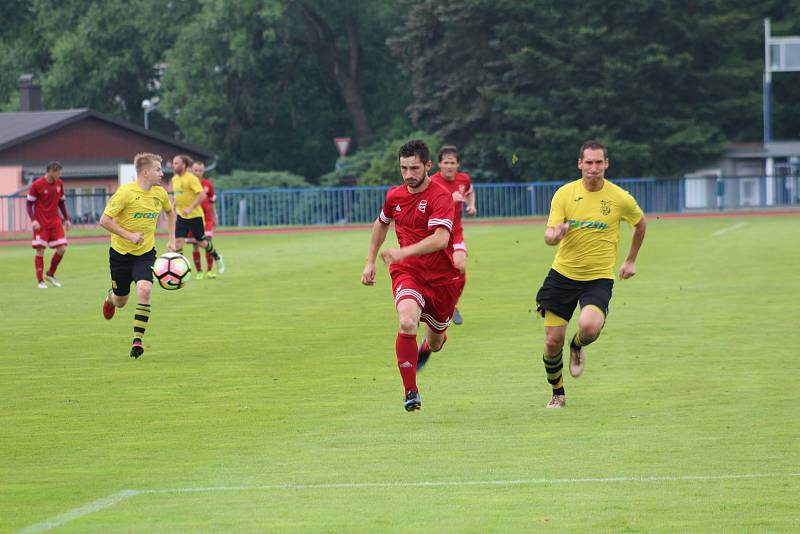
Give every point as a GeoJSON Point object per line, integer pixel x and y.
{"type": "Point", "coordinates": [605, 207]}
{"type": "Point", "coordinates": [587, 224]}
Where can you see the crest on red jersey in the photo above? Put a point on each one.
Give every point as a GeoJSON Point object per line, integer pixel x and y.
{"type": "Point", "coordinates": [422, 205]}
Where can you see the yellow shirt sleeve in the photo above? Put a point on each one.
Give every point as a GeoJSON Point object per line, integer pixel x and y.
{"type": "Point", "coordinates": [557, 213]}
{"type": "Point", "coordinates": [633, 213]}
{"type": "Point", "coordinates": [115, 204]}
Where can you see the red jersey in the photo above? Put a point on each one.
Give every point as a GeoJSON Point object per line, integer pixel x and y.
{"type": "Point", "coordinates": [460, 183]}
{"type": "Point", "coordinates": [211, 196]}
{"type": "Point", "coordinates": [45, 197]}
{"type": "Point", "coordinates": [416, 216]}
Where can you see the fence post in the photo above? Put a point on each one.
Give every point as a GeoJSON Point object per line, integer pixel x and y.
{"type": "Point", "coordinates": [242, 212]}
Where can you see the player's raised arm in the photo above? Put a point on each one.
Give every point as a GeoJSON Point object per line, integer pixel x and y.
{"type": "Point", "coordinates": [470, 198]}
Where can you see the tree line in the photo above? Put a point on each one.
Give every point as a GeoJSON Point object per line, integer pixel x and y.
{"type": "Point", "coordinates": [516, 85]}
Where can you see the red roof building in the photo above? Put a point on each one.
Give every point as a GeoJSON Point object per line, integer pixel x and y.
{"type": "Point", "coordinates": [90, 145]}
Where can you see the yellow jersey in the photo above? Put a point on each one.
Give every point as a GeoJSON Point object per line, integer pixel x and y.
{"type": "Point", "coordinates": [185, 188]}
{"type": "Point", "coordinates": [137, 210]}
{"type": "Point", "coordinates": [589, 250]}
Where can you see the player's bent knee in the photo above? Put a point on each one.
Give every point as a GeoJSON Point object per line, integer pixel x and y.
{"type": "Point", "coordinates": [590, 329]}
{"type": "Point", "coordinates": [408, 325]}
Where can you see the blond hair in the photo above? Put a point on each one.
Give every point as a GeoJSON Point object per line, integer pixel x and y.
{"type": "Point", "coordinates": [143, 160]}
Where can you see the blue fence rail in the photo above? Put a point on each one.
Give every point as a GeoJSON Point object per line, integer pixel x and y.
{"type": "Point", "coordinates": [353, 205]}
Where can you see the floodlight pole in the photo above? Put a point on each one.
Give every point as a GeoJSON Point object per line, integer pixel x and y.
{"type": "Point", "coordinates": [148, 106]}
{"type": "Point", "coordinates": [767, 84]}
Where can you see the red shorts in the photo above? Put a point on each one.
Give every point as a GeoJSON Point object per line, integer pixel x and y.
{"type": "Point", "coordinates": [209, 231]}
{"type": "Point", "coordinates": [437, 302]}
{"type": "Point", "coordinates": [50, 236]}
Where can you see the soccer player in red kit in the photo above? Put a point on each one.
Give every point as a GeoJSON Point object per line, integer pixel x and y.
{"type": "Point", "coordinates": [45, 199]}
{"type": "Point", "coordinates": [425, 282]}
{"type": "Point", "coordinates": [209, 206]}
{"type": "Point", "coordinates": [460, 186]}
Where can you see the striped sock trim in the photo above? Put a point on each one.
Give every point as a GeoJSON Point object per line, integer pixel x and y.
{"type": "Point", "coordinates": [140, 318]}
{"type": "Point", "coordinates": [553, 366]}
{"type": "Point", "coordinates": [578, 341]}
{"type": "Point", "coordinates": [211, 250]}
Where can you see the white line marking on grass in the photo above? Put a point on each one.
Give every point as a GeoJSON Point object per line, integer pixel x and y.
{"type": "Point", "coordinates": [728, 229]}
{"type": "Point", "coordinates": [111, 500]}
{"type": "Point", "coordinates": [444, 483]}
{"type": "Point", "coordinates": [76, 513]}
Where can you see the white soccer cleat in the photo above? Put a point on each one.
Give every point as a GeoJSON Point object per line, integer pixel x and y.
{"type": "Point", "coordinates": [577, 360]}
{"type": "Point", "coordinates": [42, 285]}
{"type": "Point", "coordinates": [220, 265]}
{"type": "Point", "coordinates": [557, 401]}
{"type": "Point", "coordinates": [53, 280]}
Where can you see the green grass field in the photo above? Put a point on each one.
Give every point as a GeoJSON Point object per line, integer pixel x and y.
{"type": "Point", "coordinates": [269, 399]}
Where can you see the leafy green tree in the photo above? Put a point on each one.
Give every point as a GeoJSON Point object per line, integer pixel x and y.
{"type": "Point", "coordinates": [109, 60]}
{"type": "Point", "coordinates": [378, 163]}
{"type": "Point", "coordinates": [519, 85]}
{"type": "Point", "coordinates": [20, 53]}
{"type": "Point", "coordinates": [250, 79]}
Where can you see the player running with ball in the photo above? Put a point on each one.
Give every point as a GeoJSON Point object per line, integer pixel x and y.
{"type": "Point", "coordinates": [131, 216]}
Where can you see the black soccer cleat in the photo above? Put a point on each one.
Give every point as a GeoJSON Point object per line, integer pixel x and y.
{"type": "Point", "coordinates": [136, 349]}
{"type": "Point", "coordinates": [423, 354]}
{"type": "Point", "coordinates": [412, 402]}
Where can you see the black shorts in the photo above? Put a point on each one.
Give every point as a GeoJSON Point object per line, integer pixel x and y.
{"type": "Point", "coordinates": [560, 294]}
{"type": "Point", "coordinates": [128, 268]}
{"type": "Point", "coordinates": [194, 225]}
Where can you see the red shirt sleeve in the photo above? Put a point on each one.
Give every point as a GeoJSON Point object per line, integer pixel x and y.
{"type": "Point", "coordinates": [386, 215]}
{"type": "Point", "coordinates": [442, 212]}
{"type": "Point", "coordinates": [62, 205]}
{"type": "Point", "coordinates": [33, 194]}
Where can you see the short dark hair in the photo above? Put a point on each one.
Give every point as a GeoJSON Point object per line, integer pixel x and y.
{"type": "Point", "coordinates": [416, 147]}
{"type": "Point", "coordinates": [448, 149]}
{"type": "Point", "coordinates": [594, 145]}
{"type": "Point", "coordinates": [54, 166]}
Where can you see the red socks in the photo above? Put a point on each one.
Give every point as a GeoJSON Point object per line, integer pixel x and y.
{"type": "Point", "coordinates": [406, 348]}
{"type": "Point", "coordinates": [196, 258]}
{"type": "Point", "coordinates": [209, 260]}
{"type": "Point", "coordinates": [39, 261]}
{"type": "Point", "coordinates": [54, 261]}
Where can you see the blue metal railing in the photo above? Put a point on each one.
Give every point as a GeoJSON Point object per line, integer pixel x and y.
{"type": "Point", "coordinates": [354, 205]}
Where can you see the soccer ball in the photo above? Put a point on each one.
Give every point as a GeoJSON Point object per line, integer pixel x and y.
{"type": "Point", "coordinates": [172, 270]}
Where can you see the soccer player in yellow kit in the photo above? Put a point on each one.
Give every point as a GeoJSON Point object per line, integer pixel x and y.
{"type": "Point", "coordinates": [584, 222]}
{"type": "Point", "coordinates": [189, 197]}
{"type": "Point", "coordinates": [131, 216]}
